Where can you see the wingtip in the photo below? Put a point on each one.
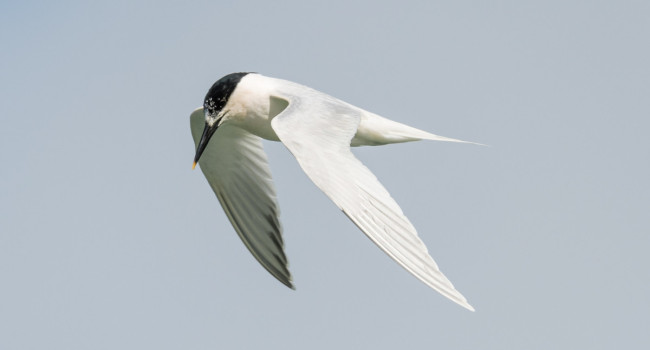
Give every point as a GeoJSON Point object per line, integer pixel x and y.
{"type": "Point", "coordinates": [287, 280]}
{"type": "Point", "coordinates": [462, 302]}
{"type": "Point", "coordinates": [469, 307]}
{"type": "Point", "coordinates": [289, 284]}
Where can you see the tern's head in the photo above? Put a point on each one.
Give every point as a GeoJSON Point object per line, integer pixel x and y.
{"type": "Point", "coordinates": [214, 107]}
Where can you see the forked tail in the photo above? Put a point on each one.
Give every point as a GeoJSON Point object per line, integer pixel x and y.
{"type": "Point", "coordinates": [375, 130]}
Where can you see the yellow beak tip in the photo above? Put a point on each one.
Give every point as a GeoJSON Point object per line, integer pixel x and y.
{"type": "Point", "coordinates": [193, 165]}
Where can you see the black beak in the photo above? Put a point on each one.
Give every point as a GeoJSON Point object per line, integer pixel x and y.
{"type": "Point", "coordinates": [208, 131]}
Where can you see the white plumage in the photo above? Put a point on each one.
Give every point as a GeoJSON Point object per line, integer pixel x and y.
{"type": "Point", "coordinates": [318, 130]}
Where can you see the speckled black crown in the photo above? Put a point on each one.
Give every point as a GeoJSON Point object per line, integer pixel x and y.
{"type": "Point", "coordinates": [220, 92]}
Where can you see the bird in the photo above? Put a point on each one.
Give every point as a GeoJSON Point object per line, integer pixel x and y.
{"type": "Point", "coordinates": [241, 109]}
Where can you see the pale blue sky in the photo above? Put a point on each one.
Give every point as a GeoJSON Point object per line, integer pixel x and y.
{"type": "Point", "coordinates": [108, 239]}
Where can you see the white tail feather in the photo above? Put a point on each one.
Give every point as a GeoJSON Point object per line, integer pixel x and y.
{"type": "Point", "coordinates": [375, 130]}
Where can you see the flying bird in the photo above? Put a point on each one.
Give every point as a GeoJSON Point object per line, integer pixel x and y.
{"type": "Point", "coordinates": [241, 109]}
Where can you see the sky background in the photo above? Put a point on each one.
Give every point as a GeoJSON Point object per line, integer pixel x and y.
{"type": "Point", "coordinates": [108, 239]}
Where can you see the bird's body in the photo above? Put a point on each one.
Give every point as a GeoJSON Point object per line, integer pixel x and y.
{"type": "Point", "coordinates": [250, 107]}
{"type": "Point", "coordinates": [242, 108]}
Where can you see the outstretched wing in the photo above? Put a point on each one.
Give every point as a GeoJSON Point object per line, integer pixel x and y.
{"type": "Point", "coordinates": [317, 129]}
{"type": "Point", "coordinates": [235, 165]}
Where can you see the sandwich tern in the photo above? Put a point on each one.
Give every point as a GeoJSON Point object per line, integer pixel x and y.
{"type": "Point", "coordinates": [241, 109]}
